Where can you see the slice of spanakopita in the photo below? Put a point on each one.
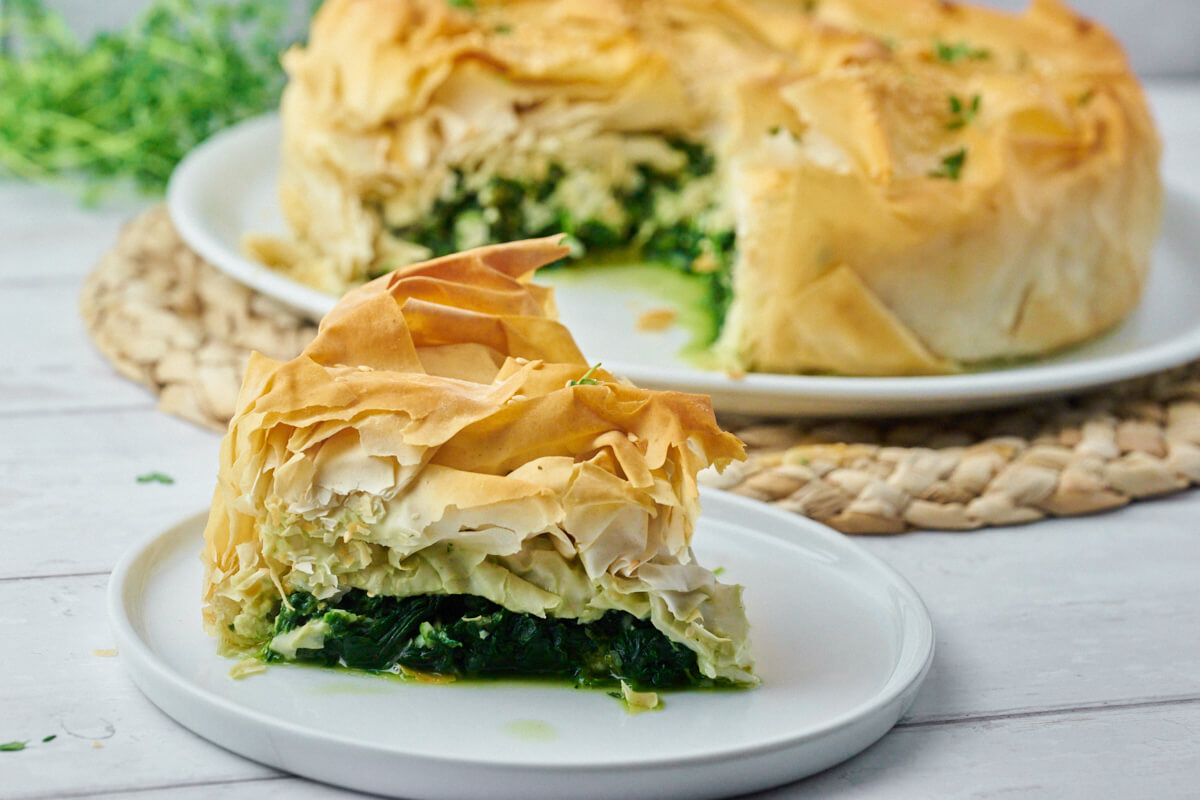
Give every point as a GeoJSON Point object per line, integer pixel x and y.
{"type": "Point", "coordinates": [440, 483]}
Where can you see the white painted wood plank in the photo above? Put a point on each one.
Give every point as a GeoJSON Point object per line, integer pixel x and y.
{"type": "Point", "coordinates": [48, 236]}
{"type": "Point", "coordinates": [1115, 754]}
{"type": "Point", "coordinates": [52, 683]}
{"type": "Point", "coordinates": [1126, 753]}
{"type": "Point", "coordinates": [69, 490]}
{"type": "Point", "coordinates": [282, 786]}
{"type": "Point", "coordinates": [47, 361]}
{"type": "Point", "coordinates": [1059, 613]}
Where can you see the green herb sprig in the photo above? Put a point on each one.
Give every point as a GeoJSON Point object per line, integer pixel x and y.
{"type": "Point", "coordinates": [126, 106]}
{"type": "Point", "coordinates": [961, 113]}
{"type": "Point", "coordinates": [949, 53]}
{"type": "Point", "coordinates": [155, 477]}
{"type": "Point", "coordinates": [19, 745]}
{"type": "Point", "coordinates": [586, 379]}
{"type": "Point", "coordinates": [952, 165]}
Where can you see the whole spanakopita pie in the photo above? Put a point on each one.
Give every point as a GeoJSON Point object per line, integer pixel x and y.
{"type": "Point", "coordinates": [441, 484]}
{"type": "Point", "coordinates": [864, 187]}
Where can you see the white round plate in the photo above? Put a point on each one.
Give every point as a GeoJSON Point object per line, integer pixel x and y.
{"type": "Point", "coordinates": [226, 188]}
{"type": "Point", "coordinates": [841, 642]}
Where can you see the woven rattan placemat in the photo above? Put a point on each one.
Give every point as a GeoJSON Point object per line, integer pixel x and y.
{"type": "Point", "coordinates": [173, 323]}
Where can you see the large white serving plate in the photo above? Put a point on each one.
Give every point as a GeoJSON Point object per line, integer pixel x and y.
{"type": "Point", "coordinates": [226, 188]}
{"type": "Point", "coordinates": [841, 641]}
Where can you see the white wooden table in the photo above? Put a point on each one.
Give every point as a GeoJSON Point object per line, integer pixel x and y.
{"type": "Point", "coordinates": [1068, 651]}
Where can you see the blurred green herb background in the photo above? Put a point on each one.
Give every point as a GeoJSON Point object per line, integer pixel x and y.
{"type": "Point", "coordinates": [125, 106]}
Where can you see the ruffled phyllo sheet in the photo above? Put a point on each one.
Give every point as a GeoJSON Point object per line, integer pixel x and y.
{"type": "Point", "coordinates": [867, 187]}
{"type": "Point", "coordinates": [441, 483]}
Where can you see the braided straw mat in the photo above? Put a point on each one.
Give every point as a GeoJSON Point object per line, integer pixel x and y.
{"type": "Point", "coordinates": [173, 323]}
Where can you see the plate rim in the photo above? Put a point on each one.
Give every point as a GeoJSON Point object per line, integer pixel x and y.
{"type": "Point", "coordinates": [182, 200]}
{"type": "Point", "coordinates": [923, 393]}
{"type": "Point", "coordinates": [883, 702]}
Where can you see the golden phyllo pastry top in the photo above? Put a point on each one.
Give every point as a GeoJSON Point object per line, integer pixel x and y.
{"type": "Point", "coordinates": [443, 435]}
{"type": "Point", "coordinates": [872, 186]}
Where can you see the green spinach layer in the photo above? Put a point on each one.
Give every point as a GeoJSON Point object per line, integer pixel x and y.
{"type": "Point", "coordinates": [468, 636]}
{"type": "Point", "coordinates": [501, 212]}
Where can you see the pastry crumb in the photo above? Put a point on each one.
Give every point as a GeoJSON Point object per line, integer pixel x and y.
{"type": "Point", "coordinates": [636, 702]}
{"type": "Point", "coordinates": [425, 677]}
{"type": "Point", "coordinates": [656, 319]}
{"type": "Point", "coordinates": [105, 652]}
{"type": "Point", "coordinates": [96, 745]}
{"type": "Point", "coordinates": [736, 374]}
{"type": "Point", "coordinates": [247, 667]}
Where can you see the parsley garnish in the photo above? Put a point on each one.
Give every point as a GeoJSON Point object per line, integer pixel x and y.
{"type": "Point", "coordinates": [719, 571]}
{"type": "Point", "coordinates": [155, 477]}
{"type": "Point", "coordinates": [465, 5]}
{"type": "Point", "coordinates": [12, 747]}
{"type": "Point", "coordinates": [502, 29]}
{"type": "Point", "coordinates": [587, 379]}
{"type": "Point", "coordinates": [959, 51]}
{"type": "Point", "coordinates": [961, 113]}
{"type": "Point", "coordinates": [951, 165]}
{"type": "Point", "coordinates": [49, 738]}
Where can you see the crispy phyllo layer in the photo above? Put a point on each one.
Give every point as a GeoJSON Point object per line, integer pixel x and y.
{"type": "Point", "coordinates": [865, 187]}
{"type": "Point", "coordinates": [443, 435]}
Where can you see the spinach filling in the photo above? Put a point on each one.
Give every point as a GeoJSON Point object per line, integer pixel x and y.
{"type": "Point", "coordinates": [464, 635]}
{"type": "Point", "coordinates": [505, 209]}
